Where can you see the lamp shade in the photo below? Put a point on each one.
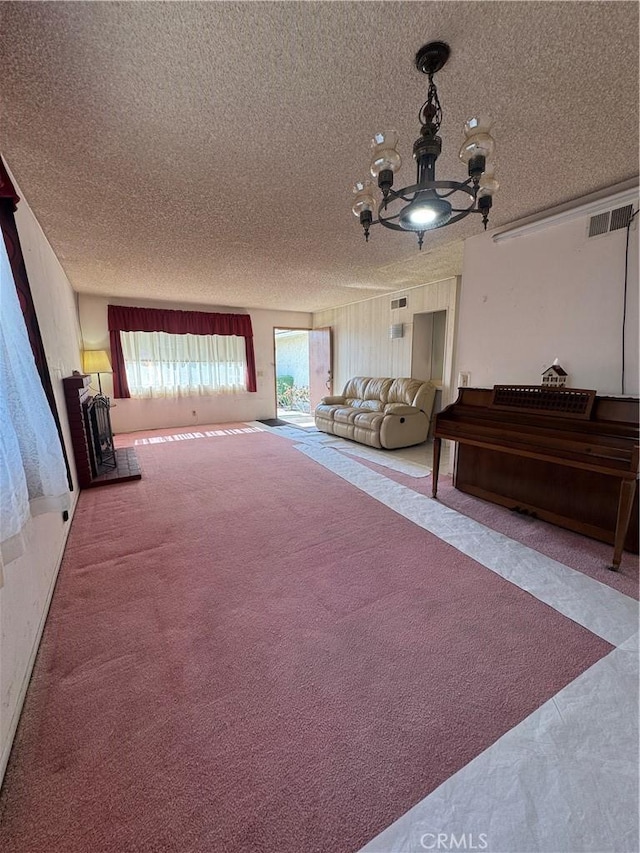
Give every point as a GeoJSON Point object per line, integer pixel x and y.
{"type": "Point", "coordinates": [96, 361]}
{"type": "Point", "coordinates": [365, 199]}
{"type": "Point", "coordinates": [384, 154]}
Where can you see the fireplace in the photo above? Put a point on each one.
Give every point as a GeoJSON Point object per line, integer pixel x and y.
{"type": "Point", "coordinates": [100, 434]}
{"type": "Point", "coordinates": [98, 462]}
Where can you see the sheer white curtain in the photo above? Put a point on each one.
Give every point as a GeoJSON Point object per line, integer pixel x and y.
{"type": "Point", "coordinates": [33, 476]}
{"type": "Point", "coordinates": [160, 364]}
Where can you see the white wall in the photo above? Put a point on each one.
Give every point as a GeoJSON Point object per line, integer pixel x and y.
{"type": "Point", "coordinates": [361, 342]}
{"type": "Point", "coordinates": [553, 293]}
{"type": "Point", "coordinates": [29, 580]}
{"type": "Point", "coordinates": [130, 415]}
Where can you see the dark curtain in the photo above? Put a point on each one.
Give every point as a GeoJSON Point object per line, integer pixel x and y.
{"type": "Point", "coordinates": [8, 202]}
{"type": "Point", "coordinates": [124, 319]}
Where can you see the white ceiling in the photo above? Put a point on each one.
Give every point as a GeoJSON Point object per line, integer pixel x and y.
{"type": "Point", "coordinates": [205, 152]}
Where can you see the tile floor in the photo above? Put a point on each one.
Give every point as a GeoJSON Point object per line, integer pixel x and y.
{"type": "Point", "coordinates": [302, 419]}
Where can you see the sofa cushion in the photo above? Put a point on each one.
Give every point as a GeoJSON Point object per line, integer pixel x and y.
{"type": "Point", "coordinates": [364, 392]}
{"type": "Point", "coordinates": [325, 412]}
{"type": "Point", "coordinates": [378, 389]}
{"type": "Point", "coordinates": [369, 405]}
{"type": "Point", "coordinates": [344, 414]}
{"type": "Point", "coordinates": [355, 388]}
{"type": "Point", "coordinates": [404, 391]}
{"type": "Point", "coordinates": [368, 420]}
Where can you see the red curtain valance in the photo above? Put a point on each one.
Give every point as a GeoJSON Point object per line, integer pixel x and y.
{"type": "Point", "coordinates": [124, 319]}
{"type": "Point", "coordinates": [121, 318]}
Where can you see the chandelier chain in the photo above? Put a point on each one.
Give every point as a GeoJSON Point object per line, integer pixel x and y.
{"type": "Point", "coordinates": [431, 111]}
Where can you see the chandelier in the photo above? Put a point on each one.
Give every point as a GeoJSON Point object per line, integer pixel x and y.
{"type": "Point", "coordinates": [429, 203]}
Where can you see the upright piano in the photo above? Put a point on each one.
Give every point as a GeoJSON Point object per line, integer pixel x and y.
{"type": "Point", "coordinates": [564, 455]}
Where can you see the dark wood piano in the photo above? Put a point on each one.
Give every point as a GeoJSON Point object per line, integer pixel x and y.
{"type": "Point", "coordinates": [564, 455]}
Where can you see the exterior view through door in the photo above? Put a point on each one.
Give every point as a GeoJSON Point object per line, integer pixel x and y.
{"type": "Point", "coordinates": [302, 371]}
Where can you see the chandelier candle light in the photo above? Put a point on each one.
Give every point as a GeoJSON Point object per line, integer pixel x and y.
{"type": "Point", "coordinates": [425, 205]}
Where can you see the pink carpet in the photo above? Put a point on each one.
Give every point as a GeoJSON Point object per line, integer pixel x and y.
{"type": "Point", "coordinates": [246, 653]}
{"type": "Point", "coordinates": [578, 552]}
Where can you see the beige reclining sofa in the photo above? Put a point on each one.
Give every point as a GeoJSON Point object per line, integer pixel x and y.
{"type": "Point", "coordinates": [380, 412]}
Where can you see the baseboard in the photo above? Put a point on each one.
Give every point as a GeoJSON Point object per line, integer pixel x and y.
{"type": "Point", "coordinates": [4, 759]}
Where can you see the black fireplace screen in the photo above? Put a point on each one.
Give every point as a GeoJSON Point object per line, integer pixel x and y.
{"type": "Point", "coordinates": [100, 435]}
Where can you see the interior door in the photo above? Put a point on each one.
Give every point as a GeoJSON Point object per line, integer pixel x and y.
{"type": "Point", "coordinates": [320, 372]}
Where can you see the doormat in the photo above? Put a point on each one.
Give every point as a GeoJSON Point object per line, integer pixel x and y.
{"type": "Point", "coordinates": [273, 422]}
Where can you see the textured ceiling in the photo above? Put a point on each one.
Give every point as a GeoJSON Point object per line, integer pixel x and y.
{"type": "Point", "coordinates": [205, 152]}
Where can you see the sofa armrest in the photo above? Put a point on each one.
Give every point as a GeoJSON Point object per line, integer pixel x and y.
{"type": "Point", "coordinates": [425, 398]}
{"type": "Point", "coordinates": [332, 401]}
{"type": "Point", "coordinates": [400, 409]}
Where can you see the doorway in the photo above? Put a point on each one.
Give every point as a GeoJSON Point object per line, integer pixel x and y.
{"type": "Point", "coordinates": [428, 350]}
{"type": "Point", "coordinates": [302, 372]}
{"type": "Point", "coordinates": [427, 354]}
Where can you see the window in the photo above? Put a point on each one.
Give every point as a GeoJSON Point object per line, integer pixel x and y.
{"type": "Point", "coordinates": [160, 364]}
{"type": "Point", "coordinates": [180, 353]}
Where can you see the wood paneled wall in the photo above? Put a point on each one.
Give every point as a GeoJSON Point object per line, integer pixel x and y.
{"type": "Point", "coordinates": [361, 342]}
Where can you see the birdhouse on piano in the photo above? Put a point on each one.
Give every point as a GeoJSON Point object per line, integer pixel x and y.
{"type": "Point", "coordinates": [555, 376]}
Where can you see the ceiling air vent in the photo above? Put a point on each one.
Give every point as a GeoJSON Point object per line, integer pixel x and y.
{"type": "Point", "coordinates": [611, 220]}
{"type": "Point", "coordinates": [399, 303]}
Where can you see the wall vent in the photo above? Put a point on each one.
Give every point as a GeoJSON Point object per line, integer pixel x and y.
{"type": "Point", "coordinates": [621, 217]}
{"type": "Point", "coordinates": [599, 224]}
{"type": "Point", "coordinates": [399, 303]}
{"type": "Point", "coordinates": [396, 330]}
{"type": "Point", "coordinates": [611, 220]}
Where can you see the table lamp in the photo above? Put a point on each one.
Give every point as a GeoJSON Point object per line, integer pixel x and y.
{"type": "Point", "coordinates": [96, 361]}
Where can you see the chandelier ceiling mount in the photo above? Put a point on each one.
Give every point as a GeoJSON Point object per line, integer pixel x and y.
{"type": "Point", "coordinates": [432, 57]}
{"type": "Point", "coordinates": [429, 203]}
